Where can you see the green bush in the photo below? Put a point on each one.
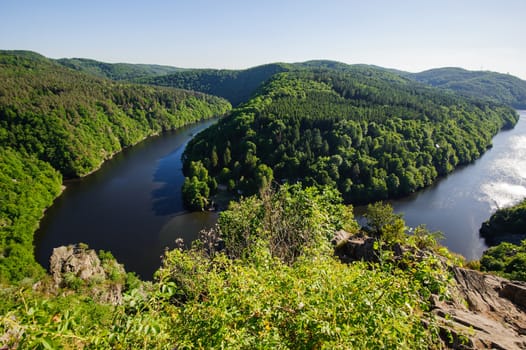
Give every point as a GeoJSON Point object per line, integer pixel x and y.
{"type": "Point", "coordinates": [506, 259]}
{"type": "Point", "coordinates": [258, 300]}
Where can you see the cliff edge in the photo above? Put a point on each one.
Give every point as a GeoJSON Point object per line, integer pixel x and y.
{"type": "Point", "coordinates": [484, 311]}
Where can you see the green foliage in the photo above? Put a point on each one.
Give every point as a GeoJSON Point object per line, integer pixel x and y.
{"type": "Point", "coordinates": [196, 187]}
{"type": "Point", "coordinates": [55, 117]}
{"type": "Point", "coordinates": [315, 303]}
{"type": "Point", "coordinates": [75, 121]}
{"type": "Point", "coordinates": [502, 88]}
{"type": "Point", "coordinates": [264, 299]}
{"type": "Point", "coordinates": [506, 259]}
{"type": "Point", "coordinates": [260, 300]}
{"type": "Point", "coordinates": [382, 222]}
{"type": "Point", "coordinates": [31, 320]}
{"type": "Point", "coordinates": [505, 222]}
{"type": "Point", "coordinates": [113, 269]}
{"type": "Point", "coordinates": [237, 86]}
{"type": "Point", "coordinates": [27, 186]}
{"type": "Point", "coordinates": [423, 239]}
{"type": "Point", "coordinates": [370, 133]}
{"type": "Point", "coordinates": [290, 220]}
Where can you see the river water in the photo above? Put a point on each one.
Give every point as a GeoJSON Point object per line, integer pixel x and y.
{"type": "Point", "coordinates": [132, 205]}
{"type": "Point", "coordinates": [458, 204]}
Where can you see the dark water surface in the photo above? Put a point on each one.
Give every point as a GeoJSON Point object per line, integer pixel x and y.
{"type": "Point", "coordinates": [132, 206]}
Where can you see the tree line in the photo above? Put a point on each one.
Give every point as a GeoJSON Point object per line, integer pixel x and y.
{"type": "Point", "coordinates": [371, 134]}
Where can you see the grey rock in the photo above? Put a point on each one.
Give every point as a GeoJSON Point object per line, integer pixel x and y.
{"type": "Point", "coordinates": [484, 311]}
{"type": "Point", "coordinates": [85, 265]}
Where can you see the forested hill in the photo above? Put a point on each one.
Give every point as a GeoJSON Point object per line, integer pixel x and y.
{"type": "Point", "coordinates": [74, 121]}
{"type": "Point", "coordinates": [503, 88]}
{"type": "Point", "coordinates": [236, 86]}
{"type": "Point", "coordinates": [371, 133]}
{"type": "Point", "coordinates": [117, 71]}
{"type": "Point", "coordinates": [53, 121]}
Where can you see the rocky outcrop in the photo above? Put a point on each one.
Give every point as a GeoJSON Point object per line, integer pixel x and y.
{"type": "Point", "coordinates": [489, 311]}
{"type": "Point", "coordinates": [82, 263]}
{"type": "Point", "coordinates": [349, 248]}
{"type": "Point", "coordinates": [76, 266]}
{"type": "Point", "coordinates": [484, 311]}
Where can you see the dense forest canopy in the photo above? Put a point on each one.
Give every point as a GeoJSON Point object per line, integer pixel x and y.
{"type": "Point", "coordinates": [117, 71]}
{"type": "Point", "coordinates": [370, 133]}
{"type": "Point", "coordinates": [506, 259]}
{"type": "Point", "coordinates": [237, 86]}
{"type": "Point", "coordinates": [505, 222]}
{"type": "Point", "coordinates": [503, 88]}
{"type": "Point", "coordinates": [56, 122]}
{"type": "Point", "coordinates": [505, 233]}
{"type": "Point", "coordinates": [266, 276]}
{"type": "Point", "coordinates": [75, 121]}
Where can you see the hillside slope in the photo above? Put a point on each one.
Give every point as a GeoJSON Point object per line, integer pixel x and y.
{"type": "Point", "coordinates": [502, 88]}
{"type": "Point", "coordinates": [236, 86]}
{"type": "Point", "coordinates": [116, 71]}
{"type": "Point", "coordinates": [75, 121]}
{"type": "Point", "coordinates": [371, 133]}
{"type": "Point", "coordinates": [55, 121]}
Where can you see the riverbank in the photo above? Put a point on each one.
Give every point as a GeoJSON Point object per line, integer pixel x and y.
{"type": "Point", "coordinates": [135, 207]}
{"type": "Point", "coordinates": [459, 203]}
{"type": "Point", "coordinates": [125, 206]}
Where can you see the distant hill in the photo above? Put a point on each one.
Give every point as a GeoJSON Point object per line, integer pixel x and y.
{"type": "Point", "coordinates": [237, 86]}
{"type": "Point", "coordinates": [117, 71]}
{"type": "Point", "coordinates": [503, 88]}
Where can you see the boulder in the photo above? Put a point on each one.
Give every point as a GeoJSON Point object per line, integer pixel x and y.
{"type": "Point", "coordinates": [82, 264]}
{"type": "Point", "coordinates": [350, 248]}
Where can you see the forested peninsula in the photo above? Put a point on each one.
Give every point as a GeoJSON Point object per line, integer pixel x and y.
{"type": "Point", "coordinates": [287, 266]}
{"type": "Point", "coordinates": [505, 224]}
{"type": "Point", "coordinates": [56, 122]}
{"type": "Point", "coordinates": [505, 233]}
{"type": "Point", "coordinates": [370, 133]}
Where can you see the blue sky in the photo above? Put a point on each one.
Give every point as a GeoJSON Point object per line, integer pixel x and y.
{"type": "Point", "coordinates": [409, 35]}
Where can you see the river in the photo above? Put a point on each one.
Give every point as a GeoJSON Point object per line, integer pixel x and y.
{"type": "Point", "coordinates": [458, 204]}
{"type": "Point", "coordinates": [132, 205]}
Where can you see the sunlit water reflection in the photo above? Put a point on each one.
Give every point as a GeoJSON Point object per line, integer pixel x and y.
{"type": "Point", "coordinates": [458, 204]}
